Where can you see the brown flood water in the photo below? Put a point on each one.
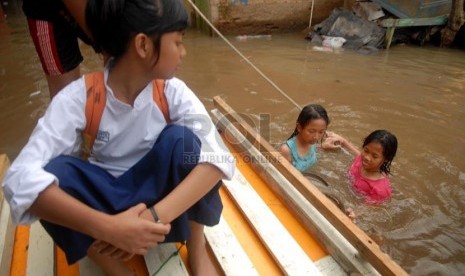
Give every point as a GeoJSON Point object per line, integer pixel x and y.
{"type": "Point", "coordinates": [416, 93]}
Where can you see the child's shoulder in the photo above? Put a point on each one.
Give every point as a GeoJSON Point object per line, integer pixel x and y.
{"type": "Point", "coordinates": [73, 92]}
{"type": "Point", "coordinates": [175, 83]}
{"type": "Point", "coordinates": [175, 86]}
{"type": "Point", "coordinates": [284, 147]}
{"type": "Point", "coordinates": [177, 91]}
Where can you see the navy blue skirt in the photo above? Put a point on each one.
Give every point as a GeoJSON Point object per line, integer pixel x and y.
{"type": "Point", "coordinates": [172, 157]}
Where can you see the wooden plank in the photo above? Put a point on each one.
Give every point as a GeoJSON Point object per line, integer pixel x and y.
{"type": "Point", "coordinates": [411, 22]}
{"type": "Point", "coordinates": [7, 229]}
{"type": "Point", "coordinates": [161, 260]}
{"type": "Point", "coordinates": [61, 264]}
{"type": "Point", "coordinates": [228, 251]}
{"type": "Point", "coordinates": [359, 239]}
{"type": "Point", "coordinates": [4, 165]}
{"type": "Point", "coordinates": [7, 239]}
{"type": "Point", "coordinates": [88, 268]}
{"type": "Point", "coordinates": [289, 255]}
{"type": "Point", "coordinates": [389, 34]}
{"type": "Point", "coordinates": [20, 250]}
{"type": "Point", "coordinates": [328, 266]}
{"type": "Point", "coordinates": [40, 252]}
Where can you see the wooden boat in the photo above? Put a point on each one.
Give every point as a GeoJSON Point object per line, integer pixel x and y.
{"type": "Point", "coordinates": [275, 222]}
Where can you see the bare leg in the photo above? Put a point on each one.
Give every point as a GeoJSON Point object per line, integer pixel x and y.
{"type": "Point", "coordinates": [109, 265]}
{"type": "Point", "coordinates": [199, 261]}
{"type": "Point", "coordinates": [56, 83]}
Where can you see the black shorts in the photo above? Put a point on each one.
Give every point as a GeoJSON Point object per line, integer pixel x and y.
{"type": "Point", "coordinates": [56, 42]}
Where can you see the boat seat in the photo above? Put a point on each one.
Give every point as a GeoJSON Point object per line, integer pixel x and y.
{"type": "Point", "coordinates": [286, 251]}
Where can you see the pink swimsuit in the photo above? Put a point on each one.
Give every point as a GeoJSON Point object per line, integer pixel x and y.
{"type": "Point", "coordinates": [375, 191]}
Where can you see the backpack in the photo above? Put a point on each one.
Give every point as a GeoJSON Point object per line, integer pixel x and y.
{"type": "Point", "coordinates": [95, 104]}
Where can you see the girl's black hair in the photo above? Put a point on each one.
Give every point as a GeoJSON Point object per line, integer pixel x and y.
{"type": "Point", "coordinates": [113, 23]}
{"type": "Point", "coordinates": [389, 143]}
{"type": "Point", "coordinates": [310, 112]}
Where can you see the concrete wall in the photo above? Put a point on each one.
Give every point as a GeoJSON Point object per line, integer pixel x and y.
{"type": "Point", "coordinates": [265, 16]}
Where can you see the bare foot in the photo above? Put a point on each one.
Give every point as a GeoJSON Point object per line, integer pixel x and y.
{"type": "Point", "coordinates": [108, 264]}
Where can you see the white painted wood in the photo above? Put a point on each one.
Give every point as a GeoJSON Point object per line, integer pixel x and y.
{"type": "Point", "coordinates": [288, 254]}
{"type": "Point", "coordinates": [228, 251]}
{"type": "Point", "coordinates": [329, 267]}
{"type": "Point", "coordinates": [88, 268]}
{"type": "Point", "coordinates": [40, 260]}
{"type": "Point", "coordinates": [155, 258]}
{"type": "Point", "coordinates": [7, 238]}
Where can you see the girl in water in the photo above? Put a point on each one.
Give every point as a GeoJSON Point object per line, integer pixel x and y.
{"type": "Point", "coordinates": [369, 172]}
{"type": "Point", "coordinates": [301, 147]}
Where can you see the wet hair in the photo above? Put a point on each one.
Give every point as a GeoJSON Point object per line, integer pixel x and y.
{"type": "Point", "coordinates": [309, 113]}
{"type": "Point", "coordinates": [389, 143]}
{"type": "Point", "coordinates": [113, 23]}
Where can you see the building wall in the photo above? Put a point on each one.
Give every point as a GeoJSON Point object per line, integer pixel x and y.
{"type": "Point", "coordinates": [264, 16]}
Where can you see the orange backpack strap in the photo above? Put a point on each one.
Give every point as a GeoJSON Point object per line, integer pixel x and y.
{"type": "Point", "coordinates": [95, 104]}
{"type": "Point", "coordinates": [160, 98]}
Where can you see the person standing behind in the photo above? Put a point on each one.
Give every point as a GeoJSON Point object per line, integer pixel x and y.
{"type": "Point", "coordinates": [55, 27]}
{"type": "Point", "coordinates": [149, 178]}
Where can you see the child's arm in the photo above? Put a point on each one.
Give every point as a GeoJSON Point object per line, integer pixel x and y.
{"type": "Point", "coordinates": [77, 10]}
{"type": "Point", "coordinates": [126, 230]}
{"type": "Point", "coordinates": [349, 146]}
{"type": "Point", "coordinates": [187, 110]}
{"type": "Point", "coordinates": [197, 183]}
{"type": "Point", "coordinates": [285, 151]}
{"type": "Point", "coordinates": [335, 141]}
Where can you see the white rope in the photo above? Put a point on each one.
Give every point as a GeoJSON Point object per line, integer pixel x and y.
{"type": "Point", "coordinates": [242, 56]}
{"type": "Point", "coordinates": [311, 16]}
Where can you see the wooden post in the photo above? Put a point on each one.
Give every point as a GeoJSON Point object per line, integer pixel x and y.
{"type": "Point", "coordinates": [456, 20]}
{"type": "Point", "coordinates": [389, 34]}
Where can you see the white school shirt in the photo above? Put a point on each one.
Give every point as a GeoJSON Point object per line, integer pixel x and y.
{"type": "Point", "coordinates": [125, 135]}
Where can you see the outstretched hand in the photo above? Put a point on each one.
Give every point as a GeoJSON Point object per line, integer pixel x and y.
{"type": "Point", "coordinates": [351, 214]}
{"type": "Point", "coordinates": [129, 234]}
{"type": "Point", "coordinates": [332, 141]}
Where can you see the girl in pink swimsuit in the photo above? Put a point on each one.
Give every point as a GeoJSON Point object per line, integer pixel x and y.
{"type": "Point", "coordinates": [369, 172]}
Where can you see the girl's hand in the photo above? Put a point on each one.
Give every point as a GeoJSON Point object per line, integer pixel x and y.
{"type": "Point", "coordinates": [351, 214]}
{"type": "Point", "coordinates": [332, 141]}
{"type": "Point", "coordinates": [130, 233]}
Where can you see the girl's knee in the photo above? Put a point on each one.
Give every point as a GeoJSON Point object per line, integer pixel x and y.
{"type": "Point", "coordinates": [59, 165]}
{"type": "Point", "coordinates": [182, 137]}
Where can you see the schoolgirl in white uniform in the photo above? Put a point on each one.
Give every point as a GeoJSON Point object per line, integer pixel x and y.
{"type": "Point", "coordinates": [101, 207]}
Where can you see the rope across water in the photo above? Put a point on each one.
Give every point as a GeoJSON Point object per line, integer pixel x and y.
{"type": "Point", "coordinates": [242, 55]}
